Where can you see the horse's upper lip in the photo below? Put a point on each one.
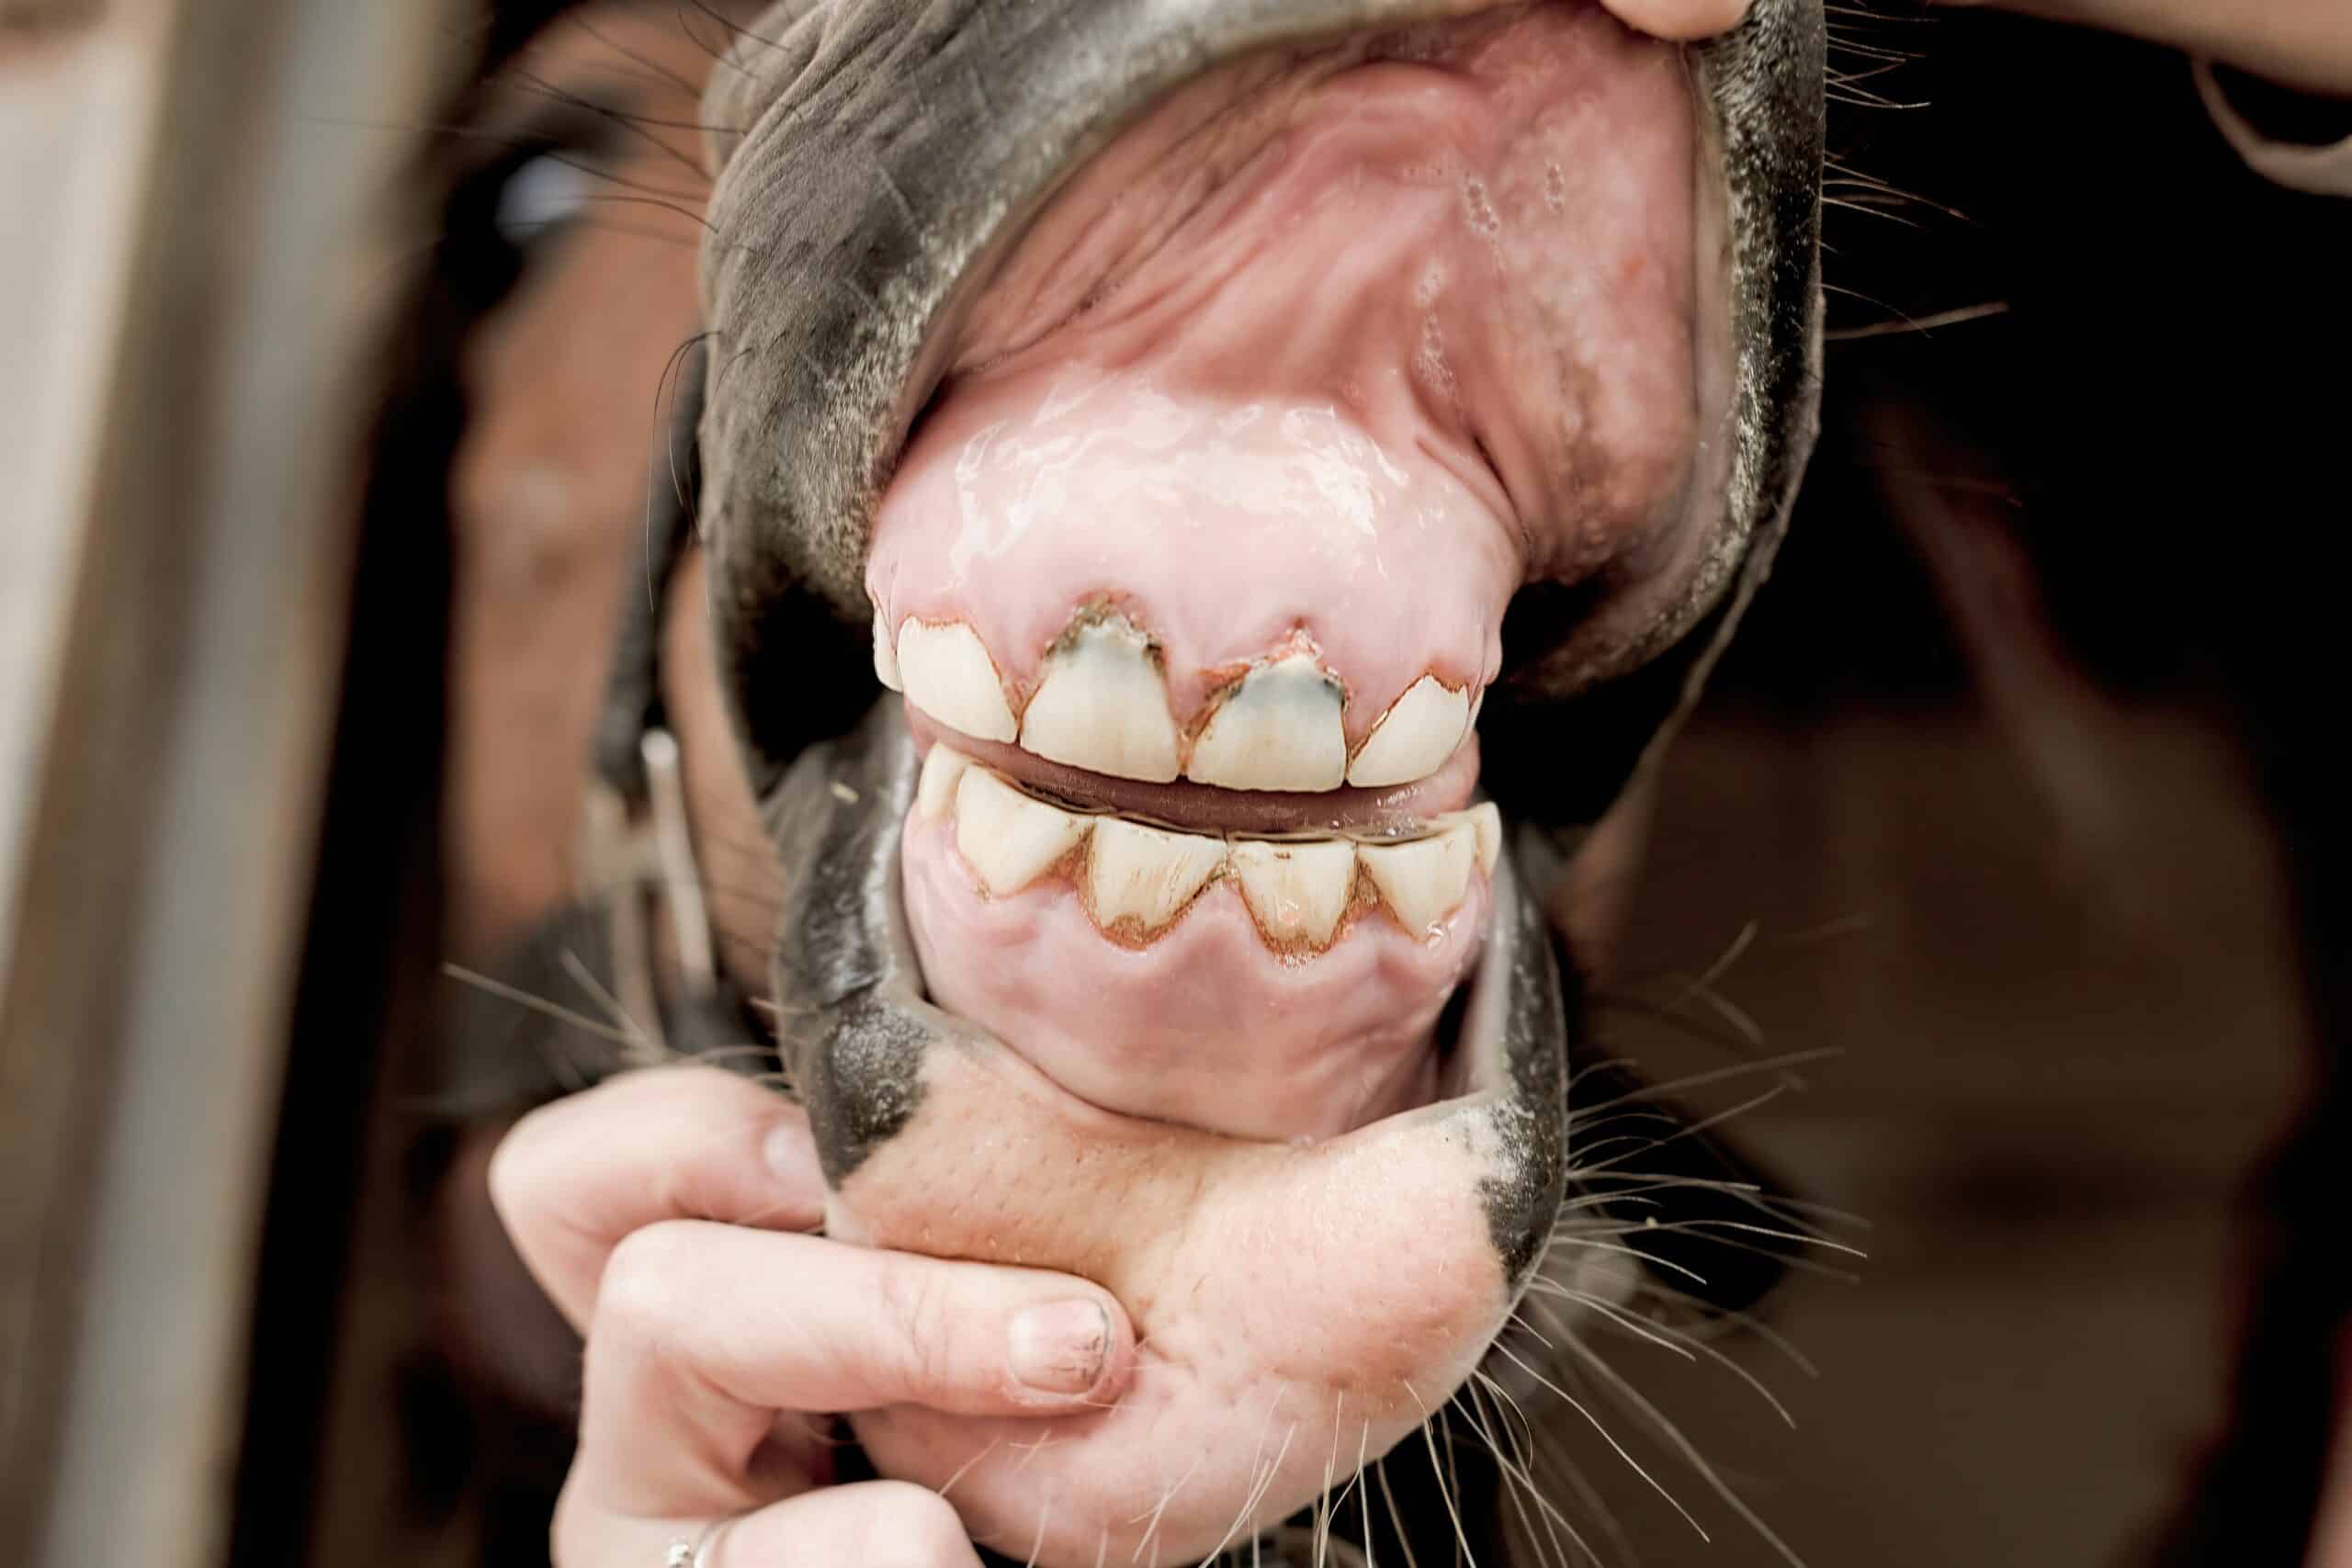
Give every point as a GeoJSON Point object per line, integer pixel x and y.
{"type": "Point", "coordinates": [849, 238]}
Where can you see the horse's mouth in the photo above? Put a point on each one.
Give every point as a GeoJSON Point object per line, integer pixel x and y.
{"type": "Point", "coordinates": [1186, 478]}
{"type": "Point", "coordinates": [1203, 545]}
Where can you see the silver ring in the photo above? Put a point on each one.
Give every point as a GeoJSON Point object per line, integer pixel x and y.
{"type": "Point", "coordinates": [684, 1554]}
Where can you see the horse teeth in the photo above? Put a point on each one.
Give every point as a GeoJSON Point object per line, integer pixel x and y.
{"type": "Point", "coordinates": [1010, 839]}
{"type": "Point", "coordinates": [1280, 729]}
{"type": "Point", "coordinates": [1142, 878]}
{"type": "Point", "coordinates": [1415, 736]}
{"type": "Point", "coordinates": [1297, 891]}
{"type": "Point", "coordinates": [943, 770]}
{"type": "Point", "coordinates": [950, 676]}
{"type": "Point", "coordinates": [1102, 705]}
{"type": "Point", "coordinates": [885, 657]}
{"type": "Point", "coordinates": [1426, 879]}
{"type": "Point", "coordinates": [1487, 826]}
{"type": "Point", "coordinates": [1144, 874]}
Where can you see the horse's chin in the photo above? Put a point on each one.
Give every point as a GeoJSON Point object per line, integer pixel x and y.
{"type": "Point", "coordinates": [1299, 1306]}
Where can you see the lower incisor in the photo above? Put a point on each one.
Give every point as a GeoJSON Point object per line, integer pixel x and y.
{"type": "Point", "coordinates": [1137, 880]}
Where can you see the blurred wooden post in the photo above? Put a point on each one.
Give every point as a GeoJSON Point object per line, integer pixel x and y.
{"type": "Point", "coordinates": [22, 16]}
{"type": "Point", "coordinates": [195, 241]}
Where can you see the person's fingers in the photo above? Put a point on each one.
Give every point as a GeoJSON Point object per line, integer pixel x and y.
{"type": "Point", "coordinates": [2302, 44]}
{"type": "Point", "coordinates": [702, 1332]}
{"type": "Point", "coordinates": [873, 1524]}
{"type": "Point", "coordinates": [575, 1177]}
{"type": "Point", "coordinates": [1680, 18]}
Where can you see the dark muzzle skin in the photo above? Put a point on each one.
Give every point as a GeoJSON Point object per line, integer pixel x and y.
{"type": "Point", "coordinates": [1303, 1307]}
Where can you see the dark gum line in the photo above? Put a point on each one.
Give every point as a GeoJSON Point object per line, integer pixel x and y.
{"type": "Point", "coordinates": [1402, 831]}
{"type": "Point", "coordinates": [1347, 812]}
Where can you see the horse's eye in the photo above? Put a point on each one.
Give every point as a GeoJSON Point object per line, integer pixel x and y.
{"type": "Point", "coordinates": [540, 199]}
{"type": "Point", "coordinates": [503, 215]}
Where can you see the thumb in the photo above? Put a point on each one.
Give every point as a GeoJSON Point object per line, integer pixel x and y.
{"type": "Point", "coordinates": [1680, 18]}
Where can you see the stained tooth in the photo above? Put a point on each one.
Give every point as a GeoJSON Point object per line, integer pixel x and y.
{"type": "Point", "coordinates": [1486, 824]}
{"type": "Point", "coordinates": [1298, 891]}
{"type": "Point", "coordinates": [885, 657]}
{"type": "Point", "coordinates": [950, 676]}
{"type": "Point", "coordinates": [943, 770]}
{"type": "Point", "coordinates": [1102, 705]}
{"type": "Point", "coordinates": [1279, 730]}
{"type": "Point", "coordinates": [1415, 736]}
{"type": "Point", "coordinates": [1425, 880]}
{"type": "Point", "coordinates": [1145, 874]}
{"type": "Point", "coordinates": [1009, 837]}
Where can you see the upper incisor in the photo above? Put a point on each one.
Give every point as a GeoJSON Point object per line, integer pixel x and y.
{"type": "Point", "coordinates": [949, 675]}
{"type": "Point", "coordinates": [1415, 736]}
{"type": "Point", "coordinates": [1279, 729]}
{"type": "Point", "coordinates": [1101, 703]}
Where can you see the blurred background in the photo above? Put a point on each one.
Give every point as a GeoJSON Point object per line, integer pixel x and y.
{"type": "Point", "coordinates": [2004, 862]}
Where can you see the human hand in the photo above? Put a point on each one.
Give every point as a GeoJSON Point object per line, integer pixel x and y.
{"type": "Point", "coordinates": [2298, 43]}
{"type": "Point", "coordinates": [663, 1212]}
{"type": "Point", "coordinates": [1680, 18]}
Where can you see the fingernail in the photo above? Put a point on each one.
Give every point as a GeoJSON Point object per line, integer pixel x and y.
{"type": "Point", "coordinates": [1060, 1348]}
{"type": "Point", "coordinates": [792, 1154]}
